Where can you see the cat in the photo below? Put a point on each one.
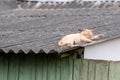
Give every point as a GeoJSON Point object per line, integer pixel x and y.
{"type": "Point", "coordinates": [86, 35]}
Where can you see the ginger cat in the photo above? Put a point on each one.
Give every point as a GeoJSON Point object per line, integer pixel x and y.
{"type": "Point", "coordinates": [85, 36]}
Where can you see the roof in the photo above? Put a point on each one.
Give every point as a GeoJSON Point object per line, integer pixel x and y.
{"type": "Point", "coordinates": [13, 4]}
{"type": "Point", "coordinates": [74, 4]}
{"type": "Point", "coordinates": [41, 29]}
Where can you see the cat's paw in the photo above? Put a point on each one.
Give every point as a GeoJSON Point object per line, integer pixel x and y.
{"type": "Point", "coordinates": [89, 41]}
{"type": "Point", "coordinates": [101, 35]}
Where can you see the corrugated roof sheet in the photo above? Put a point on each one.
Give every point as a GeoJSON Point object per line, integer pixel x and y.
{"type": "Point", "coordinates": [41, 29]}
{"type": "Point", "coordinates": [74, 4]}
{"type": "Point", "coordinates": [14, 4]}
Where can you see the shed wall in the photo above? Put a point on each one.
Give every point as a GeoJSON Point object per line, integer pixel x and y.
{"type": "Point", "coordinates": [35, 67]}
{"type": "Point", "coordinates": [109, 50]}
{"type": "Point", "coordinates": [52, 67]}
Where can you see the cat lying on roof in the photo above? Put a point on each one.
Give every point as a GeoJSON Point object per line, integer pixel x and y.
{"type": "Point", "coordinates": [85, 36]}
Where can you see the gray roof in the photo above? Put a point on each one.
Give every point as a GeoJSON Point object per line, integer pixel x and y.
{"type": "Point", "coordinates": [41, 29]}
{"type": "Point", "coordinates": [74, 4]}
{"type": "Point", "coordinates": [13, 4]}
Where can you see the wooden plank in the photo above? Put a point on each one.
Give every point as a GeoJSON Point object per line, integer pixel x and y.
{"type": "Point", "coordinates": [39, 66]}
{"type": "Point", "coordinates": [71, 68]}
{"type": "Point", "coordinates": [84, 69]}
{"type": "Point", "coordinates": [66, 68]}
{"type": "Point", "coordinates": [76, 69]}
{"type": "Point", "coordinates": [27, 67]}
{"type": "Point", "coordinates": [101, 70]}
{"type": "Point", "coordinates": [91, 69]}
{"type": "Point", "coordinates": [51, 67]}
{"type": "Point", "coordinates": [13, 67]}
{"type": "Point", "coordinates": [83, 73]}
{"type": "Point", "coordinates": [58, 68]}
{"type": "Point", "coordinates": [3, 66]}
{"type": "Point", "coordinates": [114, 71]}
{"type": "Point", "coordinates": [6, 67]}
{"type": "Point", "coordinates": [45, 66]}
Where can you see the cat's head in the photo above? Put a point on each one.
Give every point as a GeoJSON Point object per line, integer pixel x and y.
{"type": "Point", "coordinates": [88, 33]}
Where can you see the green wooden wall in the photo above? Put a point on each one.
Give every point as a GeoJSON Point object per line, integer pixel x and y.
{"type": "Point", "coordinates": [52, 67]}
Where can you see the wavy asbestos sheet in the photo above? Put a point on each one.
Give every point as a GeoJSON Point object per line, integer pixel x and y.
{"type": "Point", "coordinates": [37, 30]}
{"type": "Point", "coordinates": [36, 4]}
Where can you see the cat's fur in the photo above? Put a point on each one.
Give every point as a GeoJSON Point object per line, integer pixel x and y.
{"type": "Point", "coordinates": [85, 36]}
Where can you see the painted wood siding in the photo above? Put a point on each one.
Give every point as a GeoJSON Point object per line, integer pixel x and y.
{"type": "Point", "coordinates": [96, 70]}
{"type": "Point", "coordinates": [35, 67]}
{"type": "Point", "coordinates": [52, 67]}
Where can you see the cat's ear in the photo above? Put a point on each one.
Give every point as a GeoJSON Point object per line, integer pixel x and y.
{"type": "Point", "coordinates": [80, 30]}
{"type": "Point", "coordinates": [83, 29]}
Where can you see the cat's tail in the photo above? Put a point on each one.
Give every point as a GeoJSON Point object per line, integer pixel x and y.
{"type": "Point", "coordinates": [98, 36]}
